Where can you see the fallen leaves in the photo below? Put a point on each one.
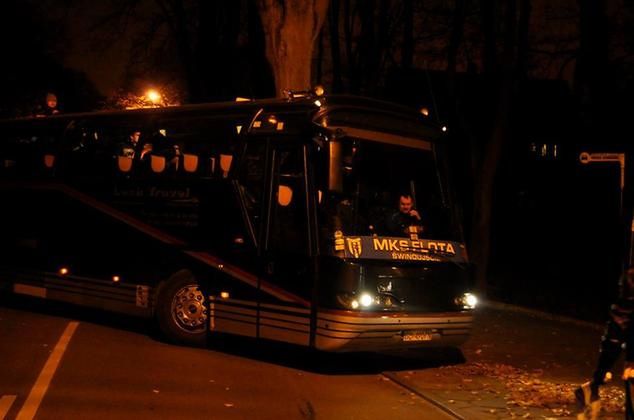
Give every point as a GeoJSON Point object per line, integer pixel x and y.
{"type": "Point", "coordinates": [526, 390]}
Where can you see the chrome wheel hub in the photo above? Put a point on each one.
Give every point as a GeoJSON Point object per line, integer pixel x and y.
{"type": "Point", "coordinates": [188, 309]}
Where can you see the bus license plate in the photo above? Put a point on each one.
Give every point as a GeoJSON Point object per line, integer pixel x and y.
{"type": "Point", "coordinates": [417, 336]}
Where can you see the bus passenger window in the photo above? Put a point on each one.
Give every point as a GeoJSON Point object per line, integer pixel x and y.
{"type": "Point", "coordinates": [251, 178]}
{"type": "Point", "coordinates": [289, 229]}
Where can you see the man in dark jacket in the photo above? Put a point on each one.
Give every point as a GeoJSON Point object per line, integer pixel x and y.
{"type": "Point", "coordinates": [399, 222]}
{"type": "Point", "coordinates": [619, 332]}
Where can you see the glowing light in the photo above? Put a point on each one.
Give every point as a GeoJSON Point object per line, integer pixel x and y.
{"type": "Point", "coordinates": [63, 271]}
{"type": "Point", "coordinates": [224, 295]}
{"type": "Point", "coordinates": [470, 300]}
{"type": "Point", "coordinates": [444, 128]}
{"type": "Point", "coordinates": [425, 111]}
{"type": "Point", "coordinates": [116, 279]}
{"type": "Point", "coordinates": [153, 96]}
{"type": "Point", "coordinates": [318, 103]}
{"type": "Point", "coordinates": [354, 304]}
{"type": "Point", "coordinates": [366, 300]}
{"type": "Point", "coordinates": [319, 90]}
{"type": "Point", "coordinates": [467, 301]}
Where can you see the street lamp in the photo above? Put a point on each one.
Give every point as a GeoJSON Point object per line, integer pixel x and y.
{"type": "Point", "coordinates": [153, 96]}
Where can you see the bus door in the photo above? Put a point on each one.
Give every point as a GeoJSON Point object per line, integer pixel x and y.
{"type": "Point", "coordinates": [287, 260]}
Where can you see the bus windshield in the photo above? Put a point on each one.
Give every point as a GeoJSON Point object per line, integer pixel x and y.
{"type": "Point", "coordinates": [370, 188]}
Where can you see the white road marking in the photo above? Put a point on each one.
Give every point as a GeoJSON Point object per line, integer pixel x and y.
{"type": "Point", "coordinates": [36, 395]}
{"type": "Point", "coordinates": [5, 405]}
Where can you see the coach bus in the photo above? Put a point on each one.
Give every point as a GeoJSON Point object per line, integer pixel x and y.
{"type": "Point", "coordinates": [261, 218]}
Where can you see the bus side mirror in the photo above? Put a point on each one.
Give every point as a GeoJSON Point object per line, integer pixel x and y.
{"type": "Point", "coordinates": [284, 195]}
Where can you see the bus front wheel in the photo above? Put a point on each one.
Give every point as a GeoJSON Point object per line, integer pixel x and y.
{"type": "Point", "coordinates": [181, 309]}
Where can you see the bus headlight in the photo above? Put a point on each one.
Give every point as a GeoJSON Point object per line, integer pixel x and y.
{"type": "Point", "coordinates": [467, 301]}
{"type": "Point", "coordinates": [356, 301]}
{"type": "Point", "coordinates": [366, 300]}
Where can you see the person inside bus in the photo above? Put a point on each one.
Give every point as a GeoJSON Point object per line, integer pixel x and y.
{"type": "Point", "coordinates": [399, 221]}
{"type": "Point", "coordinates": [49, 107]}
{"type": "Point", "coordinates": [130, 146]}
{"type": "Point", "coordinates": [161, 145]}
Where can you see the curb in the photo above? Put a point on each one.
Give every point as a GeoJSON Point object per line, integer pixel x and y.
{"type": "Point", "coordinates": [542, 314]}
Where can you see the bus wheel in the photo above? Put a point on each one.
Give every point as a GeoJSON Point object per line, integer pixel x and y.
{"type": "Point", "coordinates": [181, 309]}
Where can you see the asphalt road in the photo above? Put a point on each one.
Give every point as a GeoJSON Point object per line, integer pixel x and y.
{"type": "Point", "coordinates": [58, 362]}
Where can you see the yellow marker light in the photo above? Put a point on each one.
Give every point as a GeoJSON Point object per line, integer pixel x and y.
{"type": "Point", "coordinates": [63, 271]}
{"type": "Point", "coordinates": [116, 279]}
{"type": "Point", "coordinates": [224, 295]}
{"type": "Point", "coordinates": [354, 304]}
{"type": "Point", "coordinates": [272, 119]}
{"type": "Point", "coordinates": [319, 90]}
{"type": "Point", "coordinates": [425, 111]}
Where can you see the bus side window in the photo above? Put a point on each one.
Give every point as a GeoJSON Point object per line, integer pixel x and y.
{"type": "Point", "coordinates": [289, 229]}
{"type": "Point", "coordinates": [251, 179]}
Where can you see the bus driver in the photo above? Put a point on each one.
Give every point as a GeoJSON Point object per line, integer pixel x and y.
{"type": "Point", "coordinates": [399, 222]}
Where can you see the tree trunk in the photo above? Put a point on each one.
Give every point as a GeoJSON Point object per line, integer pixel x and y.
{"type": "Point", "coordinates": [335, 51]}
{"type": "Point", "coordinates": [485, 178]}
{"type": "Point", "coordinates": [290, 30]}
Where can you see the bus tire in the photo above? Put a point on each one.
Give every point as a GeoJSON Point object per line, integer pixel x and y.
{"type": "Point", "coordinates": [181, 310]}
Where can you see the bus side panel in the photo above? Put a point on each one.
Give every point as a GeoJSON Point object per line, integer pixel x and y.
{"type": "Point", "coordinates": [285, 323]}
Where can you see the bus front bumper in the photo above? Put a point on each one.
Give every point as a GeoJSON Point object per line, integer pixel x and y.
{"type": "Point", "coordinates": [343, 331]}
